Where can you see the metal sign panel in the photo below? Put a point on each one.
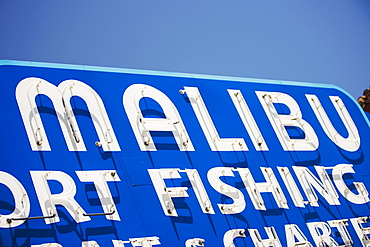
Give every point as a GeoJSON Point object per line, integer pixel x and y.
{"type": "Point", "coordinates": [115, 157]}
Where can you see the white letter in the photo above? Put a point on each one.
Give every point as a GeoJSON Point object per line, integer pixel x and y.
{"type": "Point", "coordinates": [100, 179]}
{"type": "Point", "coordinates": [248, 120]}
{"type": "Point", "coordinates": [65, 198]}
{"type": "Point", "coordinates": [145, 242]}
{"type": "Point", "coordinates": [200, 191]}
{"type": "Point", "coordinates": [163, 192]}
{"type": "Point", "coordinates": [272, 240]}
{"type": "Point", "coordinates": [231, 234]}
{"type": "Point", "coordinates": [279, 121]}
{"type": "Point", "coordinates": [89, 244]}
{"type": "Point", "coordinates": [21, 201]}
{"type": "Point", "coordinates": [293, 232]}
{"type": "Point", "coordinates": [214, 175]}
{"type": "Point", "coordinates": [26, 92]}
{"type": "Point", "coordinates": [119, 243]}
{"type": "Point", "coordinates": [141, 126]}
{"type": "Point", "coordinates": [291, 186]}
{"type": "Point", "coordinates": [193, 242]}
{"type": "Point", "coordinates": [29, 88]}
{"type": "Point", "coordinates": [352, 142]}
{"type": "Point", "coordinates": [255, 189]}
{"type": "Point", "coordinates": [47, 245]}
{"type": "Point", "coordinates": [215, 142]}
{"type": "Point", "coordinates": [362, 232]}
{"type": "Point", "coordinates": [323, 235]}
{"type": "Point", "coordinates": [338, 172]}
{"type": "Point", "coordinates": [341, 225]}
{"type": "Point", "coordinates": [324, 187]}
{"type": "Point", "coordinates": [103, 127]}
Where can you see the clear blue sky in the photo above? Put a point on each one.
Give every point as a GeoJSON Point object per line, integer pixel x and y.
{"type": "Point", "coordinates": [298, 40]}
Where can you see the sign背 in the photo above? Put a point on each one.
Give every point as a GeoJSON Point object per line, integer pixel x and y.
{"type": "Point", "coordinates": [115, 157]}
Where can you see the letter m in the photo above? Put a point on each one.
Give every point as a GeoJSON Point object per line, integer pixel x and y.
{"type": "Point", "coordinates": [29, 88]}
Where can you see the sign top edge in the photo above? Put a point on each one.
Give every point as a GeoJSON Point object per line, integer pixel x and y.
{"type": "Point", "coordinates": [169, 74]}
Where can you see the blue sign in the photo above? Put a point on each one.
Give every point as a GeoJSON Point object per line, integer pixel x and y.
{"type": "Point", "coordinates": [115, 157]}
